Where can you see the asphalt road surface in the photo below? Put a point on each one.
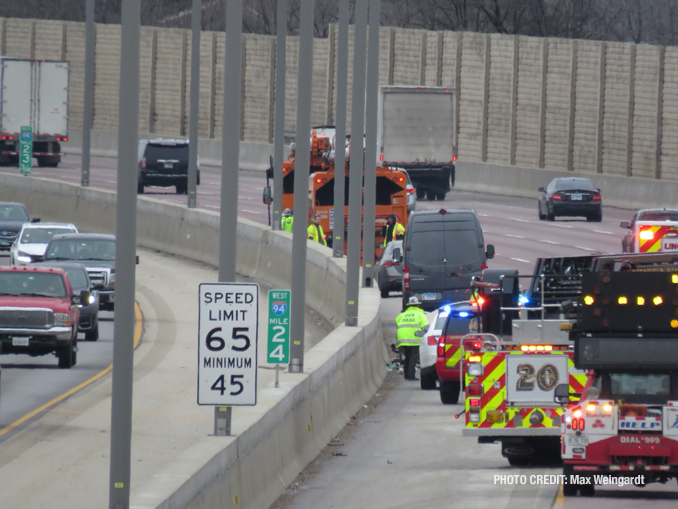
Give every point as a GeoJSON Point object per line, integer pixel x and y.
{"type": "Point", "coordinates": [409, 452]}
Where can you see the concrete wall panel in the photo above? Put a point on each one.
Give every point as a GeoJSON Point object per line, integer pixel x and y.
{"type": "Point", "coordinates": [75, 54]}
{"type": "Point", "coordinates": [18, 38]}
{"type": "Point", "coordinates": [527, 108]}
{"type": "Point", "coordinates": [407, 59]}
{"type": "Point", "coordinates": [257, 88]}
{"type": "Point", "coordinates": [615, 124]}
{"type": "Point", "coordinates": [670, 118]}
{"type": "Point", "coordinates": [645, 111]}
{"type": "Point", "coordinates": [48, 39]}
{"type": "Point", "coordinates": [449, 59]}
{"type": "Point", "coordinates": [586, 106]}
{"type": "Point", "coordinates": [557, 103]}
{"type": "Point", "coordinates": [471, 97]}
{"type": "Point", "coordinates": [499, 107]}
{"type": "Point", "coordinates": [168, 83]}
{"type": "Point", "coordinates": [106, 77]}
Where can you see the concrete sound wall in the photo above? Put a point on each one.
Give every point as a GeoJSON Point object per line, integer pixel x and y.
{"type": "Point", "coordinates": [290, 425]}
{"type": "Point", "coordinates": [559, 104]}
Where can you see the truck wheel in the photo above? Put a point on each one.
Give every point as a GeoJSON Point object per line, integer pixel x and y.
{"type": "Point", "coordinates": [421, 193]}
{"type": "Point", "coordinates": [587, 490]}
{"type": "Point", "coordinates": [92, 335]}
{"type": "Point", "coordinates": [140, 188]}
{"type": "Point", "coordinates": [47, 162]}
{"type": "Point", "coordinates": [182, 188]}
{"type": "Point", "coordinates": [449, 393]}
{"type": "Point", "coordinates": [440, 196]}
{"type": "Point", "coordinates": [67, 356]}
{"type": "Point", "coordinates": [518, 461]}
{"type": "Point", "coordinates": [384, 294]}
{"type": "Point", "coordinates": [430, 195]}
{"type": "Point", "coordinates": [570, 490]}
{"type": "Point", "coordinates": [541, 216]}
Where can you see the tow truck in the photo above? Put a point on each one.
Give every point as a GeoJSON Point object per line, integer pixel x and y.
{"type": "Point", "coordinates": [624, 429]}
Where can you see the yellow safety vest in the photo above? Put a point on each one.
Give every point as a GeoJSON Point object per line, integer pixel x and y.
{"type": "Point", "coordinates": [316, 234]}
{"type": "Point", "coordinates": [413, 319]}
{"type": "Point", "coordinates": [398, 231]}
{"type": "Point", "coordinates": [286, 223]}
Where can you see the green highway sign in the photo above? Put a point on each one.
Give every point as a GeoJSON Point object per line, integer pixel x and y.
{"type": "Point", "coordinates": [26, 149]}
{"type": "Point", "coordinates": [278, 327]}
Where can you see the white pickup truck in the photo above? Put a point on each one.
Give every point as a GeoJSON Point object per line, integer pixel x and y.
{"type": "Point", "coordinates": [417, 132]}
{"type": "Point", "coordinates": [33, 93]}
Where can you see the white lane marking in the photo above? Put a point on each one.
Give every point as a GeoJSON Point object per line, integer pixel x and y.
{"type": "Point", "coordinates": [111, 181]}
{"type": "Point", "coordinates": [562, 226]}
{"type": "Point", "coordinates": [521, 220]}
{"type": "Point", "coordinates": [603, 231]}
{"type": "Point", "coordinates": [483, 215]}
{"type": "Point", "coordinates": [584, 248]}
{"type": "Point", "coordinates": [520, 260]}
{"type": "Point", "coordinates": [550, 242]}
{"type": "Point", "coordinates": [514, 236]}
{"type": "Point", "coordinates": [212, 206]}
{"type": "Point", "coordinates": [253, 211]}
{"type": "Point", "coordinates": [245, 198]}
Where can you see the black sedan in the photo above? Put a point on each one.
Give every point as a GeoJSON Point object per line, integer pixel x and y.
{"type": "Point", "coordinates": [390, 268]}
{"type": "Point", "coordinates": [89, 311]}
{"type": "Point", "coordinates": [570, 196]}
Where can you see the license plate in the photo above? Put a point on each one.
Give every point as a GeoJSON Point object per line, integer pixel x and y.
{"type": "Point", "coordinates": [669, 243]}
{"type": "Point", "coordinates": [20, 341]}
{"type": "Point", "coordinates": [576, 440]}
{"type": "Point", "coordinates": [169, 165]}
{"type": "Point", "coordinates": [576, 197]}
{"type": "Point", "coordinates": [428, 296]}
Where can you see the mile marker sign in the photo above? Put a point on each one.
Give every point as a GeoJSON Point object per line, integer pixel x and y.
{"type": "Point", "coordinates": [228, 329]}
{"type": "Point", "coordinates": [278, 351]}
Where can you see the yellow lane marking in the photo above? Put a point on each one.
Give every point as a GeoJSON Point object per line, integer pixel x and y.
{"type": "Point", "coordinates": [560, 499]}
{"type": "Point", "coordinates": [58, 399]}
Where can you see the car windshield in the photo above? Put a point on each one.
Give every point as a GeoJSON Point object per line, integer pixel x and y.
{"type": "Point", "coordinates": [440, 321]}
{"type": "Point", "coordinates": [38, 284]}
{"type": "Point", "coordinates": [81, 249]}
{"type": "Point", "coordinates": [42, 235]}
{"type": "Point", "coordinates": [77, 278]}
{"type": "Point", "coordinates": [659, 215]}
{"type": "Point", "coordinates": [13, 213]}
{"type": "Point", "coordinates": [167, 152]}
{"type": "Point", "coordinates": [635, 384]}
{"type": "Point", "coordinates": [578, 184]}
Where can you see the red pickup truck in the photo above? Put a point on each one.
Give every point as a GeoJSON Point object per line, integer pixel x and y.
{"type": "Point", "coordinates": [39, 313]}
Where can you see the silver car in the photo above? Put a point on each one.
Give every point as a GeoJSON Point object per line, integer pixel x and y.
{"type": "Point", "coordinates": [32, 241]}
{"type": "Point", "coordinates": [411, 194]}
{"type": "Point", "coordinates": [389, 268]}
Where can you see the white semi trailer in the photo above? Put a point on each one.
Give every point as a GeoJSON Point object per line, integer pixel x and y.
{"type": "Point", "coordinates": [33, 93]}
{"type": "Point", "coordinates": [417, 131]}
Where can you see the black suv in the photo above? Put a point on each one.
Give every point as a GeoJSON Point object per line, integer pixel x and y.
{"type": "Point", "coordinates": [444, 249]}
{"type": "Point", "coordinates": [164, 163]}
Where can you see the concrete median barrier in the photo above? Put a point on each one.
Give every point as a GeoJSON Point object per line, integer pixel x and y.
{"type": "Point", "coordinates": [291, 424]}
{"type": "Point", "coordinates": [617, 191]}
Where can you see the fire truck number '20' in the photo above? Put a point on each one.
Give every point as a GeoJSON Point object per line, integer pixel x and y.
{"type": "Point", "coordinates": [546, 379]}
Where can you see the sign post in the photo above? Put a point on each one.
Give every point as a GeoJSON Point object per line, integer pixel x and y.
{"type": "Point", "coordinates": [227, 349]}
{"type": "Point", "coordinates": [26, 150]}
{"type": "Point", "coordinates": [278, 330]}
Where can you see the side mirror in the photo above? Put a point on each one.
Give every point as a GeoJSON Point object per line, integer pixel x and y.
{"type": "Point", "coordinates": [562, 394]}
{"type": "Point", "coordinates": [625, 224]}
{"type": "Point", "coordinates": [541, 189]}
{"type": "Point", "coordinates": [489, 254]}
{"type": "Point", "coordinates": [397, 255]}
{"type": "Point", "coordinates": [268, 197]}
{"type": "Point", "coordinates": [35, 220]}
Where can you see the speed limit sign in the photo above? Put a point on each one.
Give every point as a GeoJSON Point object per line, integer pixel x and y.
{"type": "Point", "coordinates": [227, 349]}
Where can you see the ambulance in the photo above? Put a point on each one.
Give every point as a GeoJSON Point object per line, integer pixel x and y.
{"type": "Point", "coordinates": [650, 231]}
{"type": "Point", "coordinates": [624, 429]}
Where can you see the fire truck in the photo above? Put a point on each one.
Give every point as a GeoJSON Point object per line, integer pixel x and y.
{"type": "Point", "coordinates": [391, 189]}
{"type": "Point", "coordinates": [624, 429]}
{"type": "Point", "coordinates": [521, 353]}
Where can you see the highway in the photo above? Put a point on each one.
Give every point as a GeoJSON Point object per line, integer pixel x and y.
{"type": "Point", "coordinates": [405, 449]}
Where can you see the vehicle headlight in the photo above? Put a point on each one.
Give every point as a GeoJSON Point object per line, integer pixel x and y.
{"type": "Point", "coordinates": [111, 281]}
{"type": "Point", "coordinates": [92, 299]}
{"type": "Point", "coordinates": [23, 257]}
{"type": "Point", "coordinates": [62, 319]}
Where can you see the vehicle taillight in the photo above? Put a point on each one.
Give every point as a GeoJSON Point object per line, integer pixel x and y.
{"type": "Point", "coordinates": [582, 424]}
{"type": "Point", "coordinates": [441, 346]}
{"type": "Point", "coordinates": [575, 424]}
{"type": "Point", "coordinates": [410, 191]}
{"type": "Point", "coordinates": [389, 263]}
{"type": "Point", "coordinates": [556, 197]}
{"type": "Point", "coordinates": [474, 402]}
{"type": "Point", "coordinates": [432, 340]}
{"type": "Point", "coordinates": [143, 162]}
{"type": "Point", "coordinates": [596, 197]}
{"type": "Point", "coordinates": [454, 157]}
{"type": "Point", "coordinates": [483, 266]}
{"type": "Point", "coordinates": [474, 390]}
{"type": "Point", "coordinates": [406, 279]}
{"type": "Point", "coordinates": [646, 234]}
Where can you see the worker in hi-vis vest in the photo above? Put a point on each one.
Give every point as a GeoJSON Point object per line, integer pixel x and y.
{"type": "Point", "coordinates": [315, 231]}
{"type": "Point", "coordinates": [287, 220]}
{"type": "Point", "coordinates": [408, 323]}
{"type": "Point", "coordinates": [392, 230]}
